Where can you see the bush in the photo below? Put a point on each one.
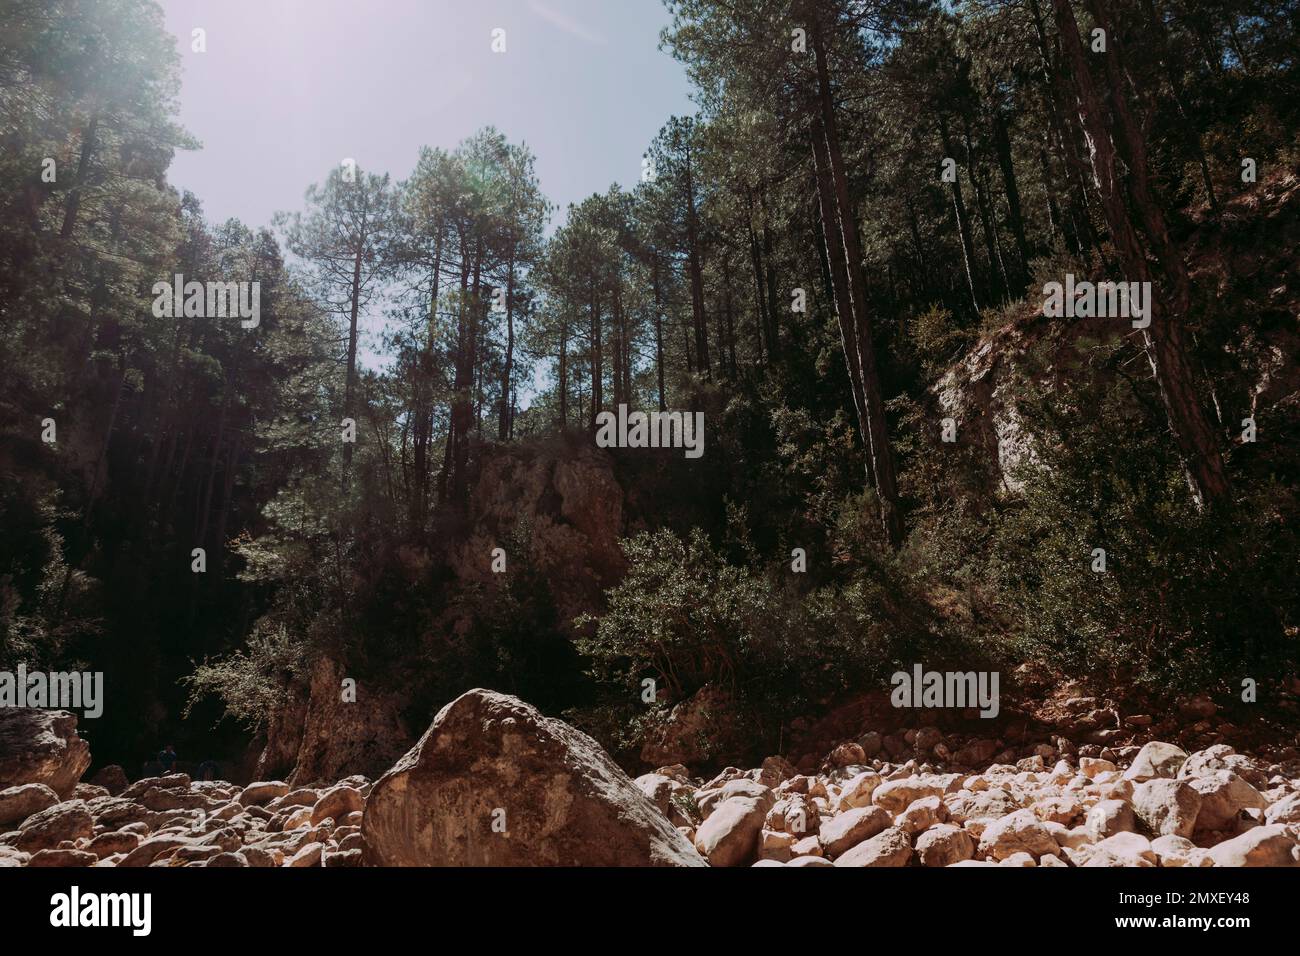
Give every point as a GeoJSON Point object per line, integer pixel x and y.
{"type": "Point", "coordinates": [252, 680]}
{"type": "Point", "coordinates": [688, 619]}
{"type": "Point", "coordinates": [1179, 604]}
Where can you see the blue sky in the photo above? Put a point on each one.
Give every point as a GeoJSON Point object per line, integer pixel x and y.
{"type": "Point", "coordinates": [288, 88]}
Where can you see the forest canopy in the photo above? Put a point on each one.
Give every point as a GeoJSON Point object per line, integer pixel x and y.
{"type": "Point", "coordinates": [839, 261]}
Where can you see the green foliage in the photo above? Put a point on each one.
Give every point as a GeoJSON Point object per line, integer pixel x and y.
{"type": "Point", "coordinates": [253, 680]}
{"type": "Point", "coordinates": [1187, 598]}
{"type": "Point", "coordinates": [687, 618]}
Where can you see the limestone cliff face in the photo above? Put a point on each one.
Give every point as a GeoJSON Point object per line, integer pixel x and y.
{"type": "Point", "coordinates": [563, 505]}
{"type": "Point", "coordinates": [1249, 250]}
{"type": "Point", "coordinates": [320, 737]}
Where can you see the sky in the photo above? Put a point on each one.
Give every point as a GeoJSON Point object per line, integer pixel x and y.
{"type": "Point", "coordinates": [288, 88]}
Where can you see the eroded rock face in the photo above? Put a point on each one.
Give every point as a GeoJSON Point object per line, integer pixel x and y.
{"type": "Point", "coordinates": [41, 746]}
{"type": "Point", "coordinates": [700, 728]}
{"type": "Point", "coordinates": [317, 737]}
{"type": "Point", "coordinates": [573, 506]}
{"type": "Point", "coordinates": [20, 802]}
{"type": "Point", "coordinates": [494, 783]}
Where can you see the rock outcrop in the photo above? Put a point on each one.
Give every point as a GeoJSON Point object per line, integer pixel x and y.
{"type": "Point", "coordinates": [495, 783]}
{"type": "Point", "coordinates": [41, 746]}
{"type": "Point", "coordinates": [317, 738]}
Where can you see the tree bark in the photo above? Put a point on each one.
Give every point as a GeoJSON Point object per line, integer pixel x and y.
{"type": "Point", "coordinates": [73, 204]}
{"type": "Point", "coordinates": [1116, 143]}
{"type": "Point", "coordinates": [1015, 217]}
{"type": "Point", "coordinates": [963, 218]}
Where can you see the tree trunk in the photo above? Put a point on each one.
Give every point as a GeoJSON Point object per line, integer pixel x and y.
{"type": "Point", "coordinates": [963, 219]}
{"type": "Point", "coordinates": [659, 327]}
{"type": "Point", "coordinates": [1117, 144]}
{"type": "Point", "coordinates": [503, 427]}
{"type": "Point", "coordinates": [73, 204]}
{"type": "Point", "coordinates": [696, 271]}
{"type": "Point", "coordinates": [349, 386]}
{"type": "Point", "coordinates": [1015, 217]}
{"type": "Point", "coordinates": [597, 359]}
{"type": "Point", "coordinates": [876, 435]}
{"type": "Point", "coordinates": [760, 303]}
{"type": "Point", "coordinates": [773, 300]}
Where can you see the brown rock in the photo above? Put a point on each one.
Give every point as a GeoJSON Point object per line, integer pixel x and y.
{"type": "Point", "coordinates": [1109, 817]}
{"type": "Point", "coordinates": [41, 746]}
{"type": "Point", "coordinates": [944, 845]}
{"type": "Point", "coordinates": [1016, 832]}
{"type": "Point", "coordinates": [1224, 795]}
{"type": "Point", "coordinates": [115, 841]}
{"type": "Point", "coordinates": [1167, 807]}
{"type": "Point", "coordinates": [53, 825]}
{"type": "Point", "coordinates": [62, 858]}
{"type": "Point", "coordinates": [112, 778]}
{"type": "Point", "coordinates": [564, 801]}
{"type": "Point", "coordinates": [1261, 846]}
{"type": "Point", "coordinates": [845, 830]}
{"type": "Point", "coordinates": [20, 802]}
{"type": "Point", "coordinates": [337, 802]}
{"type": "Point", "coordinates": [729, 837]}
{"type": "Point", "coordinates": [890, 847]}
{"type": "Point", "coordinates": [847, 754]}
{"type": "Point", "coordinates": [262, 792]}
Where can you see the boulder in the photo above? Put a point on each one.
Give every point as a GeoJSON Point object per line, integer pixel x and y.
{"type": "Point", "coordinates": [309, 855]}
{"type": "Point", "coordinates": [173, 781]}
{"type": "Point", "coordinates": [1091, 767]}
{"type": "Point", "coordinates": [1167, 807]}
{"type": "Point", "coordinates": [1177, 851]}
{"type": "Point", "coordinates": [845, 830]}
{"type": "Point", "coordinates": [65, 857]}
{"type": "Point", "coordinates": [857, 791]}
{"type": "Point", "coordinates": [965, 805]}
{"type": "Point", "coordinates": [1014, 833]}
{"type": "Point", "coordinates": [1122, 849]}
{"type": "Point", "coordinates": [1156, 759]}
{"type": "Point", "coordinates": [944, 845]}
{"type": "Point", "coordinates": [337, 802]}
{"type": "Point", "coordinates": [1223, 796]}
{"type": "Point", "coordinates": [20, 802]}
{"type": "Point", "coordinates": [494, 783]}
{"type": "Point", "coordinates": [1286, 810]}
{"type": "Point", "coordinates": [847, 754]}
{"type": "Point", "coordinates": [47, 829]}
{"type": "Point", "coordinates": [729, 837]}
{"type": "Point", "coordinates": [1109, 817]}
{"type": "Point", "coordinates": [896, 795]}
{"type": "Point", "coordinates": [1260, 846]}
{"type": "Point", "coordinates": [922, 814]}
{"type": "Point", "coordinates": [41, 746]}
{"type": "Point", "coordinates": [795, 815]}
{"type": "Point", "coordinates": [114, 841]}
{"type": "Point", "coordinates": [1223, 757]}
{"type": "Point", "coordinates": [660, 789]}
{"type": "Point", "coordinates": [890, 847]}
